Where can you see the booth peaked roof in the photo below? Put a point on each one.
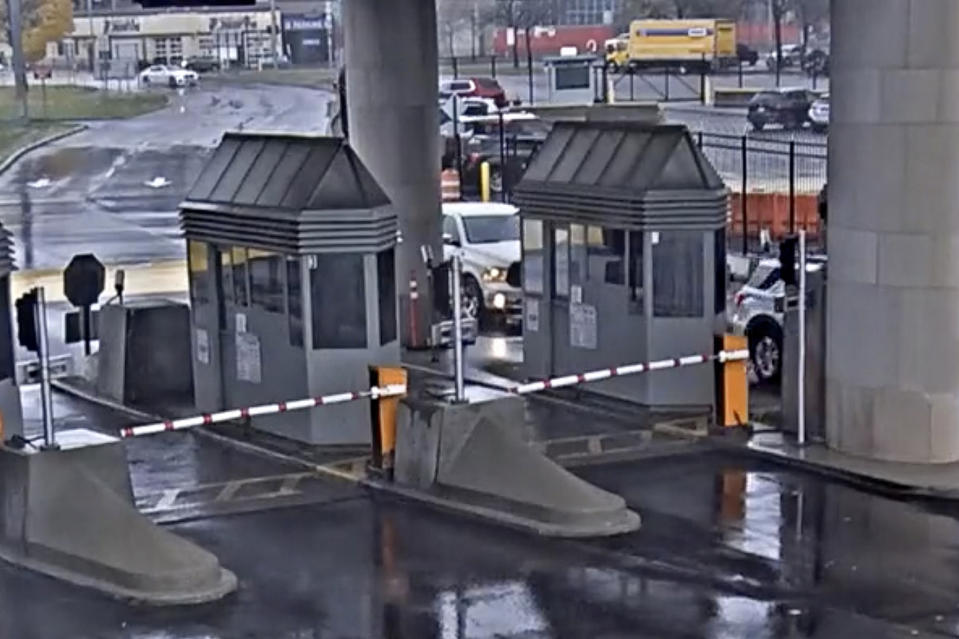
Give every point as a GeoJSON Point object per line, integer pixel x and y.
{"type": "Point", "coordinates": [620, 156]}
{"type": "Point", "coordinates": [290, 172]}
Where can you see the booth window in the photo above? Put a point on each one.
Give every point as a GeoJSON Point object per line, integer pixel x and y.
{"type": "Point", "coordinates": [338, 292]}
{"type": "Point", "coordinates": [572, 76]}
{"type": "Point", "coordinates": [577, 254]}
{"type": "Point", "coordinates": [719, 261]}
{"type": "Point", "coordinates": [386, 294]}
{"type": "Point", "coordinates": [560, 262]}
{"type": "Point", "coordinates": [219, 272]}
{"type": "Point", "coordinates": [266, 280]}
{"type": "Point", "coordinates": [533, 256]}
{"type": "Point", "coordinates": [198, 256]}
{"type": "Point", "coordinates": [636, 286]}
{"type": "Point", "coordinates": [678, 274]}
{"type": "Point", "coordinates": [226, 275]}
{"type": "Point", "coordinates": [7, 365]}
{"type": "Point", "coordinates": [294, 291]}
{"type": "Point", "coordinates": [606, 255]}
{"type": "Point", "coordinates": [240, 296]}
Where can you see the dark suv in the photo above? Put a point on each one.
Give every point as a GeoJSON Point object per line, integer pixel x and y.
{"type": "Point", "coordinates": [787, 107]}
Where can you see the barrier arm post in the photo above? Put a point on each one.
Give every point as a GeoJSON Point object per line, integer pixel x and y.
{"type": "Point", "coordinates": [383, 418]}
{"type": "Point", "coordinates": [733, 408]}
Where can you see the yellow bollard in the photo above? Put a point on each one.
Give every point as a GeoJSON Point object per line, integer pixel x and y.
{"type": "Point", "coordinates": [383, 414]}
{"type": "Point", "coordinates": [735, 384]}
{"type": "Point", "coordinates": [484, 181]}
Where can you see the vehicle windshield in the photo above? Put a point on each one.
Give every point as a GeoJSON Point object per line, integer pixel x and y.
{"type": "Point", "coordinates": [767, 97]}
{"type": "Point", "coordinates": [486, 229]}
{"type": "Point", "coordinates": [764, 277]}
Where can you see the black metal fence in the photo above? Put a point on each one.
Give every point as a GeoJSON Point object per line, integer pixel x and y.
{"type": "Point", "coordinates": [775, 182]}
{"type": "Point", "coordinates": [663, 84]}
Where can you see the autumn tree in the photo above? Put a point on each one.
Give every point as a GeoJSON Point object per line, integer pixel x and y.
{"type": "Point", "coordinates": [43, 21]}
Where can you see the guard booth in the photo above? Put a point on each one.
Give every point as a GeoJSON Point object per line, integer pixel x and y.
{"type": "Point", "coordinates": [292, 281]}
{"type": "Point", "coordinates": [623, 231]}
{"type": "Point", "coordinates": [574, 79]}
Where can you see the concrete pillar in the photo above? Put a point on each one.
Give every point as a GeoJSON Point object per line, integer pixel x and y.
{"type": "Point", "coordinates": [893, 301]}
{"type": "Point", "coordinates": [393, 107]}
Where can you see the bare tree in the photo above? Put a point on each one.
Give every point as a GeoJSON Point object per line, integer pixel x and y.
{"type": "Point", "coordinates": [523, 15]}
{"type": "Point", "coordinates": [451, 16]}
{"type": "Point", "coordinates": [810, 13]}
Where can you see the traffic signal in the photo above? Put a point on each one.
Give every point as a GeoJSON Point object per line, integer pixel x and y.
{"type": "Point", "coordinates": [788, 254]}
{"type": "Point", "coordinates": [26, 321]}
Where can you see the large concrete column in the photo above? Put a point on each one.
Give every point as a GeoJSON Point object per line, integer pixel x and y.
{"type": "Point", "coordinates": [893, 302]}
{"type": "Point", "coordinates": [393, 107]}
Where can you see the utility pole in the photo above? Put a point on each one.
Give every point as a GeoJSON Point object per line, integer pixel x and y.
{"type": "Point", "coordinates": [19, 66]}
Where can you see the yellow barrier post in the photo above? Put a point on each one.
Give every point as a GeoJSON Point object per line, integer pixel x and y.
{"type": "Point", "coordinates": [383, 418]}
{"type": "Point", "coordinates": [734, 410]}
{"type": "Point", "coordinates": [484, 181]}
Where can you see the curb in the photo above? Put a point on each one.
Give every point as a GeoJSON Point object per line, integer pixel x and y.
{"type": "Point", "coordinates": [707, 110]}
{"type": "Point", "coordinates": [33, 146]}
{"type": "Point", "coordinates": [868, 483]}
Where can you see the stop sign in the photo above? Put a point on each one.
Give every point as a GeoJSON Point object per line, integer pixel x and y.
{"type": "Point", "coordinates": [83, 280]}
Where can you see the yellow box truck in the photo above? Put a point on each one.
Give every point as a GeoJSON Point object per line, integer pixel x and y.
{"type": "Point", "coordinates": [688, 45]}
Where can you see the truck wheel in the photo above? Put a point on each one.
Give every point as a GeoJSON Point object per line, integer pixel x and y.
{"type": "Point", "coordinates": [472, 300]}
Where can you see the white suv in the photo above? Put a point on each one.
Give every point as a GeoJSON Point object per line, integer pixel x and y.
{"type": "Point", "coordinates": [487, 236]}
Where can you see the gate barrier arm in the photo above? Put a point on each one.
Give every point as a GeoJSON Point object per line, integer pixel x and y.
{"type": "Point", "coordinates": [389, 390]}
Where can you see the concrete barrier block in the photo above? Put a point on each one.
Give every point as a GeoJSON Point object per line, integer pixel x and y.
{"type": "Point", "coordinates": [69, 514]}
{"type": "Point", "coordinates": [470, 457]}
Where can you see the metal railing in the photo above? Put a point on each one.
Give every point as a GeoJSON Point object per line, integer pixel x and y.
{"type": "Point", "coordinates": [782, 178]}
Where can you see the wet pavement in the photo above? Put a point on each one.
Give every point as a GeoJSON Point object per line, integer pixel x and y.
{"type": "Point", "coordinates": [729, 548]}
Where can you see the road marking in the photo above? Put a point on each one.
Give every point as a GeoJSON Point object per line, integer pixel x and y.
{"type": "Point", "coordinates": [158, 182]}
{"type": "Point", "coordinates": [166, 501]}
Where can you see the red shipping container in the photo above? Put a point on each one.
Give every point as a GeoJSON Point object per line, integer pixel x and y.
{"type": "Point", "coordinates": [546, 41]}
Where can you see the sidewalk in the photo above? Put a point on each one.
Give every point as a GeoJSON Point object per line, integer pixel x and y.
{"type": "Point", "coordinates": [934, 481]}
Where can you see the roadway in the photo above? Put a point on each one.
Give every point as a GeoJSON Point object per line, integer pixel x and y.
{"type": "Point", "coordinates": [114, 188]}
{"type": "Point", "coordinates": [730, 548]}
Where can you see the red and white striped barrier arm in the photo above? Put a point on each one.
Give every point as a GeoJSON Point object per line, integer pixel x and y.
{"type": "Point", "coordinates": [628, 369]}
{"type": "Point", "coordinates": [390, 390]}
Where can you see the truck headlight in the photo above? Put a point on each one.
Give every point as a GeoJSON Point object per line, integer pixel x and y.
{"type": "Point", "coordinates": [494, 274]}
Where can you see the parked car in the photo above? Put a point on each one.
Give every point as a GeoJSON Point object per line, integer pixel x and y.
{"type": "Point", "coordinates": [747, 55]}
{"type": "Point", "coordinates": [161, 74]}
{"type": "Point", "coordinates": [786, 107]}
{"type": "Point", "coordinates": [487, 236]}
{"type": "Point", "coordinates": [819, 114]}
{"type": "Point", "coordinates": [791, 57]}
{"type": "Point", "coordinates": [757, 313]}
{"type": "Point", "coordinates": [474, 88]}
{"type": "Point", "coordinates": [523, 133]}
{"type": "Point", "coordinates": [202, 64]}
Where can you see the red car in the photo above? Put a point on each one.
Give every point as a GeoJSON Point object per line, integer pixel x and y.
{"type": "Point", "coordinates": [475, 88]}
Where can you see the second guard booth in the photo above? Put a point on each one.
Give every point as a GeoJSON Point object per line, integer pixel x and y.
{"type": "Point", "coordinates": [623, 232]}
{"type": "Point", "coordinates": [292, 281]}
